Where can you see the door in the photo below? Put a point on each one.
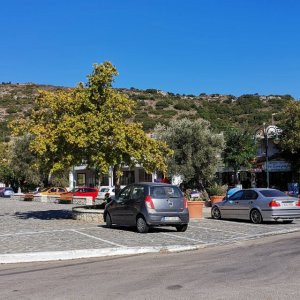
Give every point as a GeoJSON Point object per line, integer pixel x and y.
{"type": "Point", "coordinates": [118, 209]}
{"type": "Point", "coordinates": [231, 206]}
{"type": "Point", "coordinates": [246, 203]}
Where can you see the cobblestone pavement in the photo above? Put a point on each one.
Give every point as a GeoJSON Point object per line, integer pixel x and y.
{"type": "Point", "coordinates": [27, 227]}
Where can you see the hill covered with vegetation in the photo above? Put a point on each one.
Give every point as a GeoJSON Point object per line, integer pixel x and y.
{"type": "Point", "coordinates": [155, 106]}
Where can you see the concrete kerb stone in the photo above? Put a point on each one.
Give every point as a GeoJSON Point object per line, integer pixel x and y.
{"type": "Point", "coordinates": [90, 253]}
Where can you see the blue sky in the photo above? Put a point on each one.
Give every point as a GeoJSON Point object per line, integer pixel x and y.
{"type": "Point", "coordinates": [181, 46]}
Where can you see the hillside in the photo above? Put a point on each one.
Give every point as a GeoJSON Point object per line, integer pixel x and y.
{"type": "Point", "coordinates": [153, 106]}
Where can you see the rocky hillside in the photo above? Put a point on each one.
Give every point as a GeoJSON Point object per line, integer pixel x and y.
{"type": "Point", "coordinates": [153, 106]}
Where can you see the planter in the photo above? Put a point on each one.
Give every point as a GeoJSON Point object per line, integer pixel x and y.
{"type": "Point", "coordinates": [215, 199]}
{"type": "Point", "coordinates": [195, 209]}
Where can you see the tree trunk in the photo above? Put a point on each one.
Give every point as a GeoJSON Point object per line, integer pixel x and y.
{"type": "Point", "coordinates": [116, 176]}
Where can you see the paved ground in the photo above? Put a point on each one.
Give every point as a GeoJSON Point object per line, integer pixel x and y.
{"type": "Point", "coordinates": [32, 231]}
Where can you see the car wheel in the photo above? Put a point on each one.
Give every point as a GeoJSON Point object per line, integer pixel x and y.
{"type": "Point", "coordinates": [182, 228]}
{"type": "Point", "coordinates": [287, 221]}
{"type": "Point", "coordinates": [108, 221]}
{"type": "Point", "coordinates": [215, 213]}
{"type": "Point", "coordinates": [141, 225]}
{"type": "Point", "coordinates": [255, 216]}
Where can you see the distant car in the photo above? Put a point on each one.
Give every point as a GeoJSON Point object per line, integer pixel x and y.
{"type": "Point", "coordinates": [52, 191]}
{"type": "Point", "coordinates": [81, 191]}
{"type": "Point", "coordinates": [6, 192]}
{"type": "Point", "coordinates": [258, 205]}
{"type": "Point", "coordinates": [148, 204]}
{"type": "Point", "coordinates": [106, 191]}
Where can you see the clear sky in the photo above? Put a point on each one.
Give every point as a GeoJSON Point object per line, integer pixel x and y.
{"type": "Point", "coordinates": [181, 46]}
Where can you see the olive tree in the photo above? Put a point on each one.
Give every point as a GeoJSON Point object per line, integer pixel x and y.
{"type": "Point", "coordinates": [197, 150]}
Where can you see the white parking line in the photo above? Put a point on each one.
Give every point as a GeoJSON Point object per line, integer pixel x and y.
{"type": "Point", "coordinates": [96, 238]}
{"type": "Point", "coordinates": [182, 237]}
{"type": "Point", "coordinates": [213, 229]}
{"type": "Point", "coordinates": [37, 232]}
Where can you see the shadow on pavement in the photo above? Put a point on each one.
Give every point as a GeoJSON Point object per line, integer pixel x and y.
{"type": "Point", "coordinates": [45, 215]}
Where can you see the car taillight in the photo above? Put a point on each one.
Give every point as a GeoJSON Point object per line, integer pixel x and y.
{"type": "Point", "coordinates": [184, 202]}
{"type": "Point", "coordinates": [149, 202]}
{"type": "Point", "coordinates": [274, 203]}
{"type": "Point", "coordinates": [298, 203]}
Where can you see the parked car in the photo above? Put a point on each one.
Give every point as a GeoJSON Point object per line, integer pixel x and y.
{"type": "Point", "coordinates": [52, 191]}
{"type": "Point", "coordinates": [258, 205]}
{"type": "Point", "coordinates": [148, 204]}
{"type": "Point", "coordinates": [82, 191]}
{"type": "Point", "coordinates": [106, 191]}
{"type": "Point", "coordinates": [6, 192]}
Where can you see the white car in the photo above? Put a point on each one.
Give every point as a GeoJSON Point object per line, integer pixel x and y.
{"type": "Point", "coordinates": [110, 191]}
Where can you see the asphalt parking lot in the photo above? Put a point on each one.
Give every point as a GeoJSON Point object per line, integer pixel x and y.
{"type": "Point", "coordinates": [33, 231]}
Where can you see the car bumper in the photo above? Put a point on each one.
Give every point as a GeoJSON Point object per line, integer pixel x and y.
{"type": "Point", "coordinates": [162, 219]}
{"type": "Point", "coordinates": [281, 214]}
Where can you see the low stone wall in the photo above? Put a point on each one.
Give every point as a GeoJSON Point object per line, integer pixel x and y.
{"type": "Point", "coordinates": [88, 214]}
{"type": "Point", "coordinates": [18, 197]}
{"type": "Point", "coordinates": [82, 200]}
{"type": "Point", "coordinates": [98, 201]}
{"type": "Point", "coordinates": [46, 198]}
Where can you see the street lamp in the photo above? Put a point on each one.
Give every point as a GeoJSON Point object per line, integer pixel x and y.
{"type": "Point", "coordinates": [266, 132]}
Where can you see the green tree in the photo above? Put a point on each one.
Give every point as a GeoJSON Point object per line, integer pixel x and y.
{"type": "Point", "coordinates": [91, 124]}
{"type": "Point", "coordinates": [197, 150]}
{"type": "Point", "coordinates": [290, 136]}
{"type": "Point", "coordinates": [240, 150]}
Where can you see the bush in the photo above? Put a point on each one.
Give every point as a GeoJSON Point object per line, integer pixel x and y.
{"type": "Point", "coordinates": [217, 189]}
{"type": "Point", "coordinates": [162, 104]}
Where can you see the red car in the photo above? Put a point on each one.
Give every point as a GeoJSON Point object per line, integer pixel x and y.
{"type": "Point", "coordinates": [82, 191]}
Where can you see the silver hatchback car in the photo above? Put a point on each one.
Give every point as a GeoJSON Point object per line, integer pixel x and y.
{"type": "Point", "coordinates": [148, 204]}
{"type": "Point", "coordinates": [258, 205]}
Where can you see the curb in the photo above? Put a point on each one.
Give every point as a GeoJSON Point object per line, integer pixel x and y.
{"type": "Point", "coordinates": [90, 253]}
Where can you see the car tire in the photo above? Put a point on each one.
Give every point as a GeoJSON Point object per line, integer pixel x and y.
{"type": "Point", "coordinates": [108, 221]}
{"type": "Point", "coordinates": [255, 216]}
{"type": "Point", "coordinates": [215, 213]}
{"type": "Point", "coordinates": [288, 221]}
{"type": "Point", "coordinates": [181, 228]}
{"type": "Point", "coordinates": [141, 225]}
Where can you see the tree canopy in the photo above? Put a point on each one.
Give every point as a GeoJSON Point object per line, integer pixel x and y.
{"type": "Point", "coordinates": [240, 149]}
{"type": "Point", "coordinates": [92, 124]}
{"type": "Point", "coordinates": [197, 150]}
{"type": "Point", "coordinates": [290, 126]}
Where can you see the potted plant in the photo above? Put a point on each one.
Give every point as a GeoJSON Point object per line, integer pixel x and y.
{"type": "Point", "coordinates": [217, 192]}
{"type": "Point", "coordinates": [195, 204]}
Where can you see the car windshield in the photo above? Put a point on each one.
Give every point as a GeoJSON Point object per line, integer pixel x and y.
{"type": "Point", "coordinates": [165, 192]}
{"type": "Point", "coordinates": [273, 193]}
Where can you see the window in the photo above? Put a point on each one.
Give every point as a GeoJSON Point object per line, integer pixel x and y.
{"type": "Point", "coordinates": [250, 195]}
{"type": "Point", "coordinates": [124, 195]}
{"type": "Point", "coordinates": [137, 192]}
{"type": "Point", "coordinates": [81, 179]}
{"type": "Point", "coordinates": [165, 192]}
{"type": "Point", "coordinates": [237, 196]}
{"type": "Point", "coordinates": [272, 193]}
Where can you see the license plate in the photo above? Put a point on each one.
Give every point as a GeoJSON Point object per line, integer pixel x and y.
{"type": "Point", "coordinates": [171, 219]}
{"type": "Point", "coordinates": [288, 204]}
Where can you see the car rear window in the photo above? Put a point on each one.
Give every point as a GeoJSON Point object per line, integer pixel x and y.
{"type": "Point", "coordinates": [104, 190]}
{"type": "Point", "coordinates": [165, 192]}
{"type": "Point", "coordinates": [272, 193]}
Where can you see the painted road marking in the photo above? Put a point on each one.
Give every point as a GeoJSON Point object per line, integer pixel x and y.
{"type": "Point", "coordinates": [96, 238]}
{"type": "Point", "coordinates": [183, 237]}
{"type": "Point", "coordinates": [213, 229]}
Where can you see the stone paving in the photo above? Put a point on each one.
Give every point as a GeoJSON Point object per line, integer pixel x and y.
{"type": "Point", "coordinates": [27, 227]}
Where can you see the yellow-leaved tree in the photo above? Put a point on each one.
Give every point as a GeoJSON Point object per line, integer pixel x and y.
{"type": "Point", "coordinates": [91, 124]}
